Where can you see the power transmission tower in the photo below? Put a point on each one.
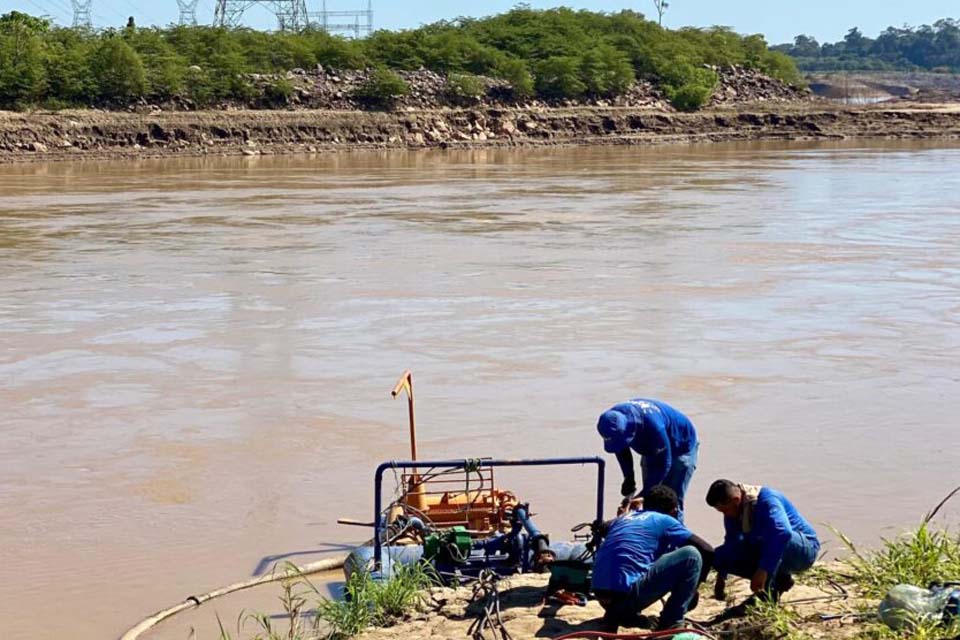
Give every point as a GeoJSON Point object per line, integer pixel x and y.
{"type": "Point", "coordinates": [291, 14]}
{"type": "Point", "coordinates": [356, 22]}
{"type": "Point", "coordinates": [81, 14]}
{"type": "Point", "coordinates": [188, 12]}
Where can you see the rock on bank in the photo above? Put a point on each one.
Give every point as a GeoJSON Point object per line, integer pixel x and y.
{"type": "Point", "coordinates": [98, 134]}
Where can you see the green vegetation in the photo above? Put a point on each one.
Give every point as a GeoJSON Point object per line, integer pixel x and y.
{"type": "Point", "coordinates": [383, 87]}
{"type": "Point", "coordinates": [927, 48]}
{"type": "Point", "coordinates": [368, 602]}
{"type": "Point", "coordinates": [464, 87]}
{"type": "Point", "coordinates": [297, 590]}
{"type": "Point", "coordinates": [775, 621]}
{"type": "Point", "coordinates": [919, 557]}
{"type": "Point", "coordinates": [556, 53]}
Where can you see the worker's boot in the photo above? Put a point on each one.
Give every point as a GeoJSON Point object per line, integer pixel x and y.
{"type": "Point", "coordinates": [612, 624]}
{"type": "Point", "coordinates": [782, 584]}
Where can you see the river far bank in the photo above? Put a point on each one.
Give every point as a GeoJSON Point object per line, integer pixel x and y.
{"type": "Point", "coordinates": [91, 134]}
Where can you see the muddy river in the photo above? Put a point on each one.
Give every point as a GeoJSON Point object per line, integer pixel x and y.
{"type": "Point", "coordinates": [196, 355]}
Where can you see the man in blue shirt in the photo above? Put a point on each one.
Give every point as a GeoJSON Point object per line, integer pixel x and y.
{"type": "Point", "coordinates": [646, 555]}
{"type": "Point", "coordinates": [665, 439]}
{"type": "Point", "coordinates": [766, 541]}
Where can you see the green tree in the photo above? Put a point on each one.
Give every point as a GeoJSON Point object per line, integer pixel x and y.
{"type": "Point", "coordinates": [69, 78]}
{"type": "Point", "coordinates": [118, 71]}
{"type": "Point", "coordinates": [22, 71]}
{"type": "Point", "coordinates": [560, 77]}
{"type": "Point", "coordinates": [518, 75]}
{"type": "Point", "coordinates": [606, 71]}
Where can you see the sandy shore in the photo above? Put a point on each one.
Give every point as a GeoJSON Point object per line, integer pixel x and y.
{"type": "Point", "coordinates": [449, 613]}
{"type": "Point", "coordinates": [73, 135]}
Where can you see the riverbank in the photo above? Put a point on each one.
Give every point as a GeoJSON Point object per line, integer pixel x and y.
{"type": "Point", "coordinates": [88, 134]}
{"type": "Point", "coordinates": [448, 614]}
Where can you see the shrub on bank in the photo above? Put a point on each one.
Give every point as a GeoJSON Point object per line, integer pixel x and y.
{"type": "Point", "coordinates": [465, 88]}
{"type": "Point", "coordinates": [383, 87]}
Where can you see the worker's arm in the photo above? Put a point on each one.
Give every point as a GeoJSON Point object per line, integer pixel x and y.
{"type": "Point", "coordinates": [625, 459]}
{"type": "Point", "coordinates": [706, 554]}
{"type": "Point", "coordinates": [773, 524]}
{"type": "Point", "coordinates": [659, 459]}
{"type": "Point", "coordinates": [676, 535]}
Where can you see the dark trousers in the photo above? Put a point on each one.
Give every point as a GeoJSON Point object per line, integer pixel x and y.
{"type": "Point", "coordinates": [676, 573]}
{"type": "Point", "coordinates": [742, 558]}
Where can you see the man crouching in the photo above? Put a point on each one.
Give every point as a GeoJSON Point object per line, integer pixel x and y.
{"type": "Point", "coordinates": [767, 540]}
{"type": "Point", "coordinates": [646, 555]}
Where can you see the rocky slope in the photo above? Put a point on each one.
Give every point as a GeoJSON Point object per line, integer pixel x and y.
{"type": "Point", "coordinates": [336, 89]}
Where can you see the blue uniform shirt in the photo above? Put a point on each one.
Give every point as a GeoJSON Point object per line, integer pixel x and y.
{"type": "Point", "coordinates": [634, 542]}
{"type": "Point", "coordinates": [775, 519]}
{"type": "Point", "coordinates": [654, 429]}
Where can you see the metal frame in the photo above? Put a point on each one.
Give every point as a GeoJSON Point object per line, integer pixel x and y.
{"type": "Point", "coordinates": [463, 464]}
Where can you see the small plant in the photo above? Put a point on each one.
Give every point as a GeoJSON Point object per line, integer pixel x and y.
{"type": "Point", "coordinates": [354, 613]}
{"type": "Point", "coordinates": [465, 88]}
{"type": "Point", "coordinates": [297, 588]}
{"type": "Point", "coordinates": [278, 92]}
{"type": "Point", "coordinates": [776, 621]}
{"type": "Point", "coordinates": [690, 97]}
{"type": "Point", "coordinates": [395, 598]}
{"type": "Point", "coordinates": [383, 87]}
{"type": "Point", "coordinates": [368, 602]}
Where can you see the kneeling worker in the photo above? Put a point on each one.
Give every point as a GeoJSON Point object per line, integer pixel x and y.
{"type": "Point", "coordinates": [646, 555]}
{"type": "Point", "coordinates": [766, 541]}
{"type": "Point", "coordinates": [665, 439]}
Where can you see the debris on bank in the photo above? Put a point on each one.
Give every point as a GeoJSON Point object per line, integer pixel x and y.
{"type": "Point", "coordinates": [738, 85]}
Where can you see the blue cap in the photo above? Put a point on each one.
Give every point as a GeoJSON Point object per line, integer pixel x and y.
{"type": "Point", "coordinates": [616, 430]}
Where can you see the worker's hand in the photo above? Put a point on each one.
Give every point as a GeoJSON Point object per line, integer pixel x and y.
{"type": "Point", "coordinates": [720, 588]}
{"type": "Point", "coordinates": [759, 581]}
{"type": "Point", "coordinates": [628, 488]}
{"type": "Point", "coordinates": [630, 504]}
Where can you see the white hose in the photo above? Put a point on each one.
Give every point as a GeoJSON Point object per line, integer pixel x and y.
{"type": "Point", "coordinates": [329, 564]}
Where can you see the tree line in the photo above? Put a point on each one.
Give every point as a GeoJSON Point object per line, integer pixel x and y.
{"type": "Point", "coordinates": [551, 54]}
{"type": "Point", "coordinates": [933, 47]}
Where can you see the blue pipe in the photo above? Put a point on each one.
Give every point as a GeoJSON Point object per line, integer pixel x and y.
{"type": "Point", "coordinates": [462, 464]}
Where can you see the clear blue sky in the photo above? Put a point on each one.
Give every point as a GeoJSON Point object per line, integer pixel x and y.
{"type": "Point", "coordinates": [827, 20]}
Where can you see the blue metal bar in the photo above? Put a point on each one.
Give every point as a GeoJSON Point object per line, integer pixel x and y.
{"type": "Point", "coordinates": [461, 464]}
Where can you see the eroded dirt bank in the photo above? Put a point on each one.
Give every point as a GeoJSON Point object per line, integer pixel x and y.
{"type": "Point", "coordinates": [95, 134]}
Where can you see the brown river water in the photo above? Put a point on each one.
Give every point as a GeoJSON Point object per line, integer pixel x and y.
{"type": "Point", "coordinates": [196, 355]}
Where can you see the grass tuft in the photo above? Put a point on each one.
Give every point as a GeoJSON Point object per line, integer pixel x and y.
{"type": "Point", "coordinates": [775, 621]}
{"type": "Point", "coordinates": [368, 602]}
